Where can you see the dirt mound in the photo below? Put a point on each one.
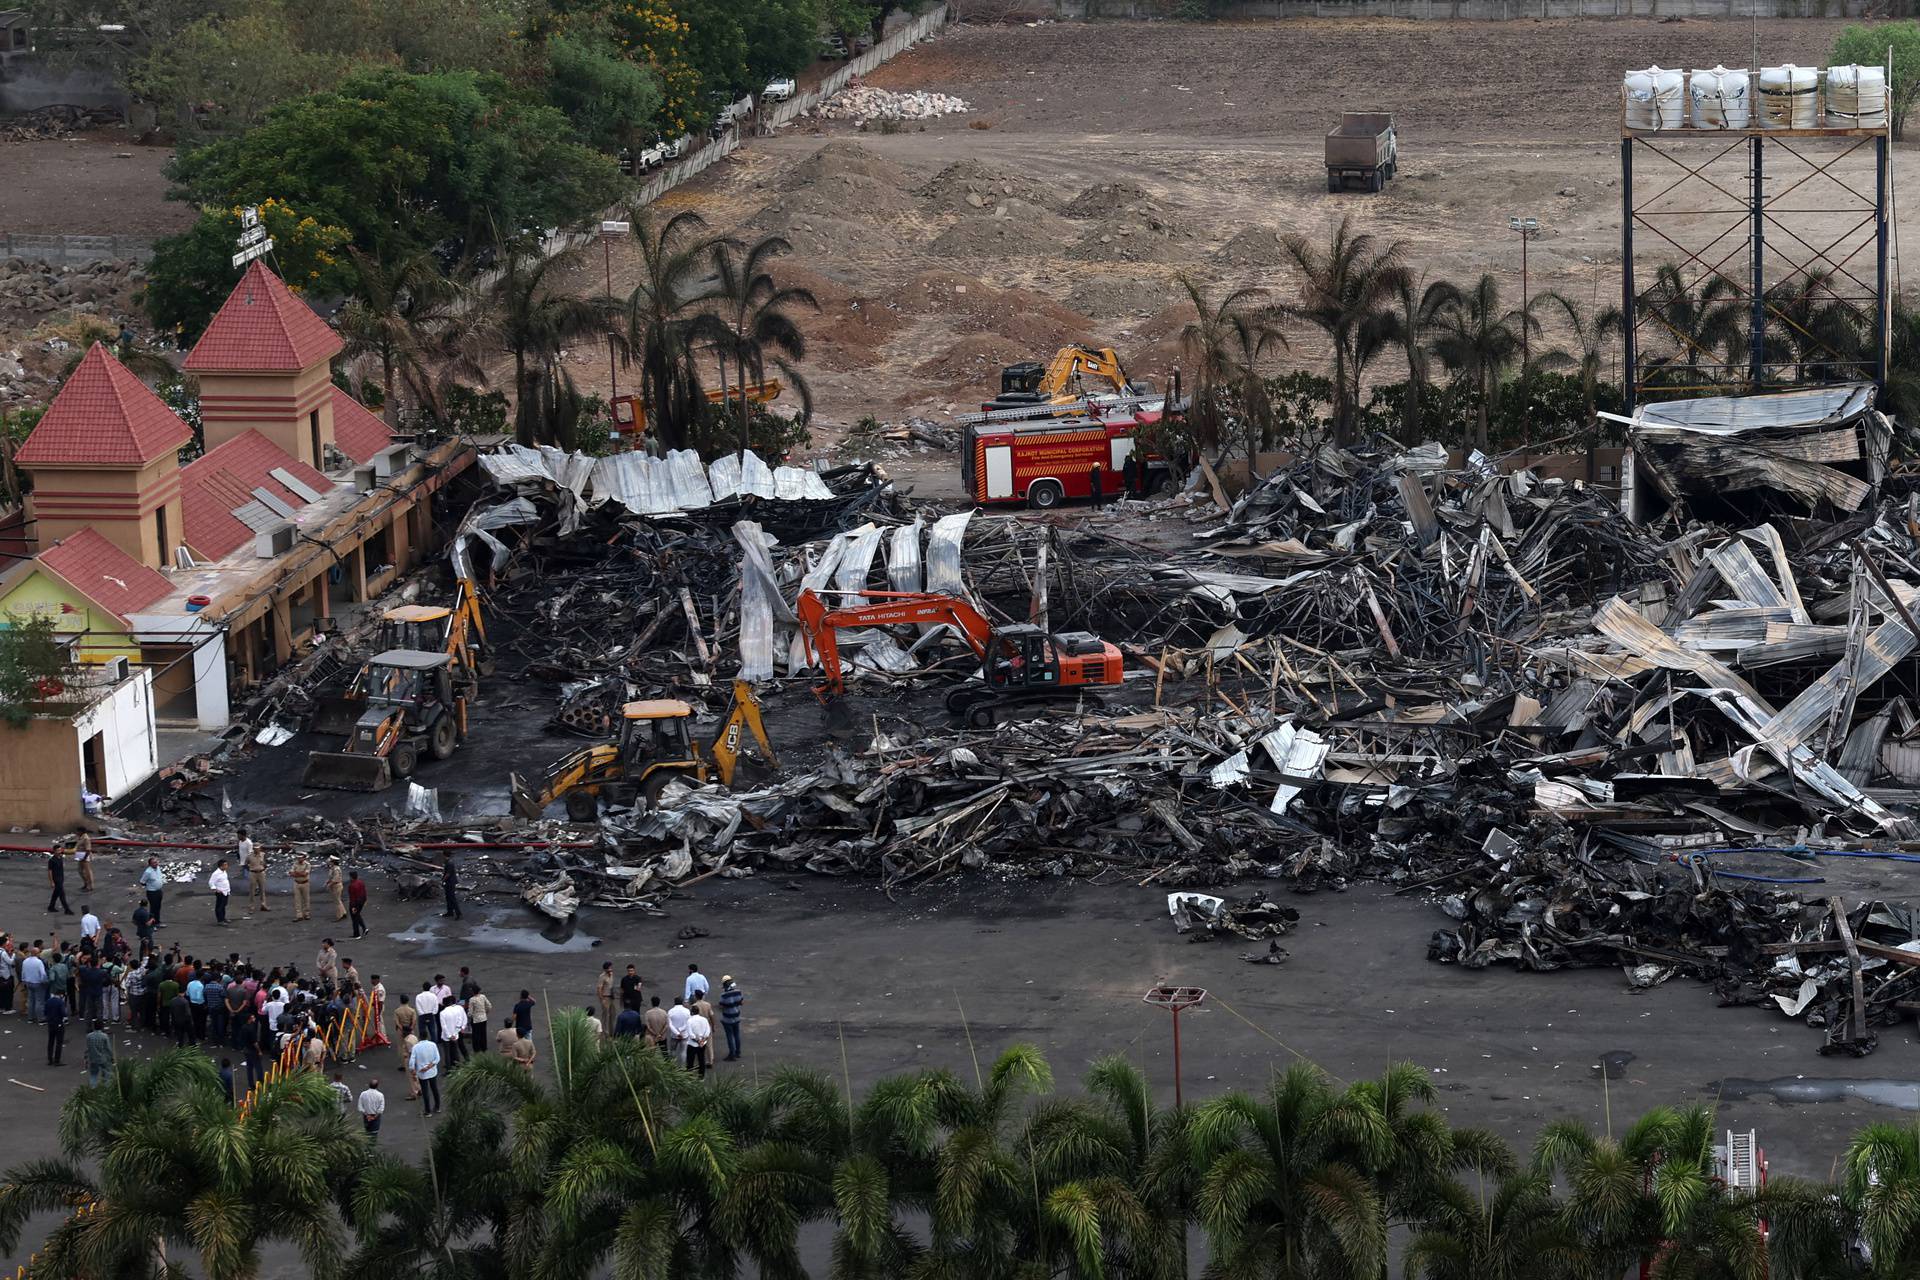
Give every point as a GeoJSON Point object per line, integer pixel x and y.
{"type": "Point", "coordinates": [1168, 322]}
{"type": "Point", "coordinates": [1137, 236]}
{"type": "Point", "coordinates": [1010, 229]}
{"type": "Point", "coordinates": [968, 305]}
{"type": "Point", "coordinates": [1253, 247]}
{"type": "Point", "coordinates": [841, 160]}
{"type": "Point", "coordinates": [1114, 296]}
{"type": "Point", "coordinates": [1103, 198]}
{"type": "Point", "coordinates": [849, 330]}
{"type": "Point", "coordinates": [968, 185]}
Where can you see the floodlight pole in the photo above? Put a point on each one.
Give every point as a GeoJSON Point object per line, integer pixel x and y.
{"type": "Point", "coordinates": [1173, 1000]}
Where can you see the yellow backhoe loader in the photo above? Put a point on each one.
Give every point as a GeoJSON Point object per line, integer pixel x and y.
{"type": "Point", "coordinates": [412, 705]}
{"type": "Point", "coordinates": [654, 748]}
{"type": "Point", "coordinates": [455, 630]}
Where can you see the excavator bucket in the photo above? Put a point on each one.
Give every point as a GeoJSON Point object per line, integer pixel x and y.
{"type": "Point", "coordinates": [346, 771]}
{"type": "Point", "coordinates": [337, 714]}
{"type": "Point", "coordinates": [526, 801]}
{"type": "Point", "coordinates": [842, 723]}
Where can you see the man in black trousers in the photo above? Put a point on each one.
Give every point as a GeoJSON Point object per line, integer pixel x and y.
{"type": "Point", "coordinates": [57, 877]}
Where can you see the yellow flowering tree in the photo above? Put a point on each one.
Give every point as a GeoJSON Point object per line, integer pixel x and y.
{"type": "Point", "coordinates": [191, 274]}
{"type": "Point", "coordinates": [648, 31]}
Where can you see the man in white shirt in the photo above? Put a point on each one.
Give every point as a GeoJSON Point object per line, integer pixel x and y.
{"type": "Point", "coordinates": [677, 1019]}
{"type": "Point", "coordinates": [453, 1031]}
{"type": "Point", "coordinates": [427, 1006]}
{"type": "Point", "coordinates": [372, 1105]}
{"type": "Point", "coordinates": [699, 1038]}
{"type": "Point", "coordinates": [424, 1064]}
{"type": "Point", "coordinates": [89, 922]}
{"type": "Point", "coordinates": [696, 984]}
{"type": "Point", "coordinates": [275, 1006]}
{"type": "Point", "coordinates": [222, 890]}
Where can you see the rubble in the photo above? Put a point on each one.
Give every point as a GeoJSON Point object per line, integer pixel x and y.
{"type": "Point", "coordinates": [862, 103]}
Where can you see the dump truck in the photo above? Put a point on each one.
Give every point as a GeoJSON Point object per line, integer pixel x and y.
{"type": "Point", "coordinates": [1362, 149]}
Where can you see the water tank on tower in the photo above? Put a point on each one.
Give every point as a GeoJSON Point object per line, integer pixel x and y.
{"type": "Point", "coordinates": [1656, 99]}
{"type": "Point", "coordinates": [1719, 98]}
{"type": "Point", "coordinates": [1857, 97]}
{"type": "Point", "coordinates": [1789, 97]}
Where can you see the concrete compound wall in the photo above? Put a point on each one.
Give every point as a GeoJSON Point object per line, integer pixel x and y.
{"type": "Point", "coordinates": [1479, 10]}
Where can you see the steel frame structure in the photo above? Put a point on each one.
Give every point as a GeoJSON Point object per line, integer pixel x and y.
{"type": "Point", "coordinates": [1736, 235]}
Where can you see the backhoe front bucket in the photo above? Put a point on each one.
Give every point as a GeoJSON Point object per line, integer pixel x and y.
{"type": "Point", "coordinates": [346, 771]}
{"type": "Point", "coordinates": [525, 802]}
{"type": "Point", "coordinates": [337, 714]}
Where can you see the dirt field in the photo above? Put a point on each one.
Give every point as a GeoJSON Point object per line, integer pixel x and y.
{"type": "Point", "coordinates": [1102, 161]}
{"type": "Point", "coordinates": [95, 185]}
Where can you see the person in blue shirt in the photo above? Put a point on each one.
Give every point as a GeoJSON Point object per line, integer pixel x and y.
{"type": "Point", "coordinates": [197, 1003]}
{"type": "Point", "coordinates": [630, 1023]}
{"type": "Point", "coordinates": [56, 1026]}
{"type": "Point", "coordinates": [154, 881]}
{"type": "Point", "coordinates": [731, 999]}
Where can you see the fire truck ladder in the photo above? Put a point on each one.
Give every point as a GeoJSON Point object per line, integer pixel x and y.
{"type": "Point", "coordinates": [1065, 408]}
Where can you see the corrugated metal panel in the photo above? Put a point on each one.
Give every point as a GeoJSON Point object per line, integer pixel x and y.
{"type": "Point", "coordinates": [904, 569]}
{"type": "Point", "coordinates": [258, 517]}
{"type": "Point", "coordinates": [943, 553]}
{"type": "Point", "coordinates": [1742, 572]}
{"type": "Point", "coordinates": [1731, 415]}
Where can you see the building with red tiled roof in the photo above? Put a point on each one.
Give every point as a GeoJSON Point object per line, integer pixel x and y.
{"type": "Point", "coordinates": [241, 488]}
{"type": "Point", "coordinates": [104, 574]}
{"type": "Point", "coordinates": [105, 456]}
{"type": "Point", "coordinates": [357, 429]}
{"type": "Point", "coordinates": [265, 364]}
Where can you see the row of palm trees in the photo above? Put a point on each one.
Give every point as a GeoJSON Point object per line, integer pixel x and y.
{"type": "Point", "coordinates": [1365, 302]}
{"type": "Point", "coordinates": [705, 305]}
{"type": "Point", "coordinates": [625, 1166]}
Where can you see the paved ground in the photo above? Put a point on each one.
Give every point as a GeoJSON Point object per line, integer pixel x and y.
{"type": "Point", "coordinates": [832, 966]}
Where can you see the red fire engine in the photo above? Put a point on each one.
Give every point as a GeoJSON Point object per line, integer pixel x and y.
{"type": "Point", "coordinates": [1046, 461]}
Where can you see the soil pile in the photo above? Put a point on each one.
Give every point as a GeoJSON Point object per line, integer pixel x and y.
{"type": "Point", "coordinates": [1101, 199]}
{"type": "Point", "coordinates": [832, 203]}
{"type": "Point", "coordinates": [1012, 228]}
{"type": "Point", "coordinates": [1253, 247]}
{"type": "Point", "coordinates": [967, 185]}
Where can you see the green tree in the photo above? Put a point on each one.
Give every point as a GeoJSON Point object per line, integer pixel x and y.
{"type": "Point", "coordinates": [1625, 1196]}
{"type": "Point", "coordinates": [1512, 1230]}
{"type": "Point", "coordinates": [1867, 45]}
{"type": "Point", "coordinates": [33, 666]}
{"type": "Point", "coordinates": [395, 316]}
{"type": "Point", "coordinates": [849, 18]}
{"type": "Point", "coordinates": [222, 75]}
{"type": "Point", "coordinates": [1276, 1197]}
{"type": "Point", "coordinates": [440, 1218]}
{"type": "Point", "coordinates": [1346, 291]}
{"type": "Point", "coordinates": [1705, 323]}
{"type": "Point", "coordinates": [609, 98]}
{"type": "Point", "coordinates": [753, 325]}
{"type": "Point", "coordinates": [663, 320]}
{"type": "Point", "coordinates": [180, 1167]}
{"type": "Point", "coordinates": [783, 38]}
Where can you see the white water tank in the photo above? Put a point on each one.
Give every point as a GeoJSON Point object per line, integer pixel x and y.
{"type": "Point", "coordinates": [1857, 97]}
{"type": "Point", "coordinates": [1720, 99]}
{"type": "Point", "coordinates": [1789, 97]}
{"type": "Point", "coordinates": [1656, 99]}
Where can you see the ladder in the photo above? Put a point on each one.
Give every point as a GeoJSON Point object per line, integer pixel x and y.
{"type": "Point", "coordinates": [1057, 409]}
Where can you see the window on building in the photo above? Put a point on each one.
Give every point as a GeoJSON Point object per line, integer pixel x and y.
{"type": "Point", "coordinates": [313, 439]}
{"type": "Point", "coordinates": [161, 539]}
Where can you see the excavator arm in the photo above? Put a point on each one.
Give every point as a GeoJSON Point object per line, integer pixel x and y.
{"type": "Point", "coordinates": [1069, 362]}
{"type": "Point", "coordinates": [588, 767]}
{"type": "Point", "coordinates": [820, 625]}
{"type": "Point", "coordinates": [745, 714]}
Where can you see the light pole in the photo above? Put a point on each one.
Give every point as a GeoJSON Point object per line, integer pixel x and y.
{"type": "Point", "coordinates": [1174, 999]}
{"type": "Point", "coordinates": [1528, 229]}
{"type": "Point", "coordinates": [609, 232]}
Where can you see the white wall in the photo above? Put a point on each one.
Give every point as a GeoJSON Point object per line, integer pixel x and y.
{"type": "Point", "coordinates": [130, 745]}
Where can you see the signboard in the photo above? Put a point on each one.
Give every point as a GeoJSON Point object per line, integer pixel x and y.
{"type": "Point", "coordinates": [254, 241]}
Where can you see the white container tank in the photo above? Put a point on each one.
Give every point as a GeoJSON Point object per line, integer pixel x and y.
{"type": "Point", "coordinates": [1789, 97]}
{"type": "Point", "coordinates": [1857, 97]}
{"type": "Point", "coordinates": [1656, 99]}
{"type": "Point", "coordinates": [1719, 98]}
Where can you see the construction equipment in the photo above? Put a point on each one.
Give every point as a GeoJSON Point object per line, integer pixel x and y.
{"type": "Point", "coordinates": [456, 630]}
{"type": "Point", "coordinates": [654, 748]}
{"type": "Point", "coordinates": [1018, 662]}
{"type": "Point", "coordinates": [630, 414]}
{"type": "Point", "coordinates": [1362, 147]}
{"type": "Point", "coordinates": [1073, 374]}
{"type": "Point", "coordinates": [414, 705]}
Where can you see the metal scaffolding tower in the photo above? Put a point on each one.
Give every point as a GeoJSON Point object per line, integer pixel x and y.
{"type": "Point", "coordinates": [1753, 259]}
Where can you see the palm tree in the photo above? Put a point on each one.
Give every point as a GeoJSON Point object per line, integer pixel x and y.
{"type": "Point", "coordinates": [440, 1219]}
{"type": "Point", "coordinates": [1593, 334]}
{"type": "Point", "coordinates": [535, 324]}
{"type": "Point", "coordinates": [1475, 339]}
{"type": "Point", "coordinates": [664, 320]}
{"type": "Point", "coordinates": [1511, 1231]}
{"type": "Point", "coordinates": [1408, 331]}
{"type": "Point", "coordinates": [179, 1166]}
{"type": "Point", "coordinates": [1704, 323]}
{"type": "Point", "coordinates": [1810, 325]}
{"type": "Point", "coordinates": [392, 317]}
{"type": "Point", "coordinates": [1881, 1186]}
{"type": "Point", "coordinates": [1626, 1197]}
{"type": "Point", "coordinates": [754, 327]}
{"type": "Point", "coordinates": [1346, 292]}
{"type": "Point", "coordinates": [1225, 344]}
{"type": "Point", "coordinates": [985, 1212]}
{"type": "Point", "coordinates": [1276, 1197]}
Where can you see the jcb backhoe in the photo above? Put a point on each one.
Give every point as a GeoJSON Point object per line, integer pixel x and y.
{"type": "Point", "coordinates": [457, 631]}
{"type": "Point", "coordinates": [412, 705]}
{"type": "Point", "coordinates": [654, 748]}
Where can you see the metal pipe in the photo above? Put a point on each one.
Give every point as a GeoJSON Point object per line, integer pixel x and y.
{"type": "Point", "coordinates": [1628, 382]}
{"type": "Point", "coordinates": [1883, 313]}
{"type": "Point", "coordinates": [1757, 339]}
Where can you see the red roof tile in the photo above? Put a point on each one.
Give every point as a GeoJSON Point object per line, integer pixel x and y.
{"type": "Point", "coordinates": [103, 573]}
{"type": "Point", "coordinates": [212, 485]}
{"type": "Point", "coordinates": [356, 429]}
{"type": "Point", "coordinates": [263, 328]}
{"type": "Point", "coordinates": [103, 416]}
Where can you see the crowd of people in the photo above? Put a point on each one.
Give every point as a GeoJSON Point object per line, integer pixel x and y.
{"type": "Point", "coordinates": [234, 1008]}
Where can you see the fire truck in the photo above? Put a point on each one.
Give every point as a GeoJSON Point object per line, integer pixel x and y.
{"type": "Point", "coordinates": [1045, 461]}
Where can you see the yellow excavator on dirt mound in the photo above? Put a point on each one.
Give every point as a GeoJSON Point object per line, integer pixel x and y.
{"type": "Point", "coordinates": [654, 748]}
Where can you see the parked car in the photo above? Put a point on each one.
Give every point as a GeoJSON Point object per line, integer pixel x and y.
{"type": "Point", "coordinates": [833, 47]}
{"type": "Point", "coordinates": [777, 91]}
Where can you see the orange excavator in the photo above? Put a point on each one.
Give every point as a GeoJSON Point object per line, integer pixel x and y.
{"type": "Point", "coordinates": [1018, 663]}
